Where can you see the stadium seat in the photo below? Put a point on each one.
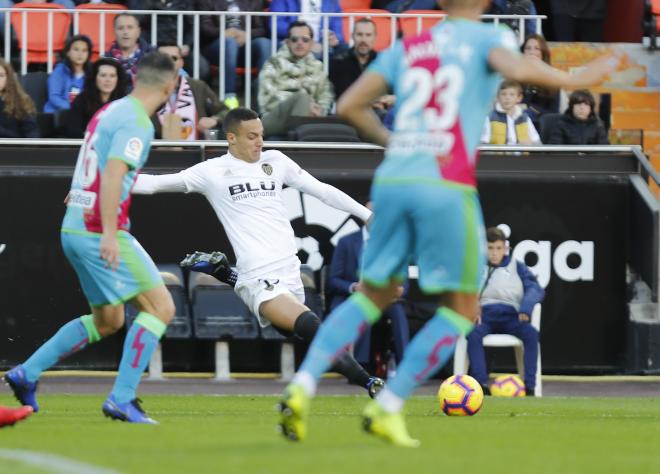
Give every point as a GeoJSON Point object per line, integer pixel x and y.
{"type": "Point", "coordinates": [89, 23]}
{"type": "Point", "coordinates": [324, 132]}
{"type": "Point", "coordinates": [546, 123]}
{"type": "Point", "coordinates": [383, 25]}
{"type": "Point", "coordinates": [37, 30]}
{"type": "Point", "coordinates": [219, 314]}
{"type": "Point", "coordinates": [181, 325]}
{"type": "Point", "coordinates": [354, 4]}
{"type": "Point", "coordinates": [462, 362]}
{"type": "Point", "coordinates": [412, 26]}
{"type": "Point", "coordinates": [36, 86]}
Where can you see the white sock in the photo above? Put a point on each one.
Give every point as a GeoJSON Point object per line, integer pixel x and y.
{"type": "Point", "coordinates": [389, 402]}
{"type": "Point", "coordinates": [306, 381]}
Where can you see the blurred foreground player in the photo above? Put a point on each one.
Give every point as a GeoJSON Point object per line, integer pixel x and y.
{"type": "Point", "coordinates": [111, 265]}
{"type": "Point", "coordinates": [425, 201]}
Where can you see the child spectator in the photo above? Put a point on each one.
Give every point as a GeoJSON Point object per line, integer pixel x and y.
{"type": "Point", "coordinates": [68, 77]}
{"type": "Point", "coordinates": [579, 125]}
{"type": "Point", "coordinates": [508, 123]}
{"type": "Point", "coordinates": [107, 81]}
{"type": "Point", "coordinates": [17, 111]}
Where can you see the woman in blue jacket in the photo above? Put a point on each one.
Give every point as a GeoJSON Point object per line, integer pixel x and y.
{"type": "Point", "coordinates": [68, 77]}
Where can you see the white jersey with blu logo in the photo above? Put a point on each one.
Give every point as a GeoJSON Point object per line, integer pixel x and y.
{"type": "Point", "coordinates": [247, 198]}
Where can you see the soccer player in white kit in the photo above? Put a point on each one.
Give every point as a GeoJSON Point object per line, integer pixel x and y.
{"type": "Point", "coordinates": [244, 187]}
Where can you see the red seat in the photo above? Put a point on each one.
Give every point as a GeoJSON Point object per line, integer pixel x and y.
{"type": "Point", "coordinates": [383, 26]}
{"type": "Point", "coordinates": [409, 25]}
{"type": "Point", "coordinates": [37, 30]}
{"type": "Point", "coordinates": [89, 23]}
{"type": "Point", "coordinates": [354, 4]}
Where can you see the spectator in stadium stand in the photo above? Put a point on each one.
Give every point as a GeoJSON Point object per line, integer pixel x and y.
{"type": "Point", "coordinates": [579, 125]}
{"type": "Point", "coordinates": [538, 100]}
{"type": "Point", "coordinates": [514, 7]}
{"type": "Point", "coordinates": [507, 298]}
{"type": "Point", "coordinates": [128, 47]}
{"type": "Point", "coordinates": [235, 36]}
{"type": "Point", "coordinates": [68, 76]}
{"type": "Point", "coordinates": [347, 66]}
{"type": "Point", "coordinates": [193, 107]}
{"type": "Point", "coordinates": [18, 115]}
{"type": "Point", "coordinates": [292, 82]}
{"type": "Point", "coordinates": [106, 81]}
{"type": "Point", "coordinates": [343, 282]}
{"type": "Point", "coordinates": [166, 28]}
{"type": "Point", "coordinates": [578, 20]}
{"type": "Point", "coordinates": [508, 123]}
{"type": "Point", "coordinates": [308, 13]}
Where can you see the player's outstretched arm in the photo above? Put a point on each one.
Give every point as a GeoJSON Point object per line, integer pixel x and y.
{"type": "Point", "coordinates": [164, 183]}
{"type": "Point", "coordinates": [532, 71]}
{"type": "Point", "coordinates": [354, 106]}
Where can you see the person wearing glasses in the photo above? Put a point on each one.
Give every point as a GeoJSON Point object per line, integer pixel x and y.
{"type": "Point", "coordinates": [292, 82]}
{"type": "Point", "coordinates": [192, 109]}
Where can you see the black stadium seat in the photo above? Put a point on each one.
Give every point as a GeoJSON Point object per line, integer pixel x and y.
{"type": "Point", "coordinates": [36, 86]}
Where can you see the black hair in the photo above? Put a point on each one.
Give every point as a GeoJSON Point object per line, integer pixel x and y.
{"type": "Point", "coordinates": [67, 47]}
{"type": "Point", "coordinates": [233, 119]}
{"type": "Point", "coordinates": [91, 94]}
{"type": "Point", "coordinates": [154, 67]}
{"type": "Point", "coordinates": [298, 24]}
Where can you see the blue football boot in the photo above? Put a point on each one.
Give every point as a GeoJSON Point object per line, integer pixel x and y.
{"type": "Point", "coordinates": [24, 391]}
{"type": "Point", "coordinates": [130, 412]}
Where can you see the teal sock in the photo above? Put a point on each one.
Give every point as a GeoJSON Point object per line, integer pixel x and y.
{"type": "Point", "coordinates": [141, 340]}
{"type": "Point", "coordinates": [429, 350]}
{"type": "Point", "coordinates": [340, 330]}
{"type": "Point", "coordinates": [72, 337]}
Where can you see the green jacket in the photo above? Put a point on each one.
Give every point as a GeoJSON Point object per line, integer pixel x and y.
{"type": "Point", "coordinates": [206, 102]}
{"type": "Point", "coordinates": [284, 74]}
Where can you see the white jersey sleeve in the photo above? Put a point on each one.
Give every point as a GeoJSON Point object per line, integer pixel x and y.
{"type": "Point", "coordinates": [298, 178]}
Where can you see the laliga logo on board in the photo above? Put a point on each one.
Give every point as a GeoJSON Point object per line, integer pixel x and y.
{"type": "Point", "coordinates": [547, 261]}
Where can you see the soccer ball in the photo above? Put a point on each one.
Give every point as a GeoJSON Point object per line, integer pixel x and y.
{"type": "Point", "coordinates": [460, 395]}
{"type": "Point", "coordinates": [507, 386]}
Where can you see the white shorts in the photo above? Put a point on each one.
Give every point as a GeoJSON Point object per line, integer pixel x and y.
{"type": "Point", "coordinates": [279, 281]}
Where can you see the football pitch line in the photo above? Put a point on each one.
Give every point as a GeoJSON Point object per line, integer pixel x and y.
{"type": "Point", "coordinates": [52, 463]}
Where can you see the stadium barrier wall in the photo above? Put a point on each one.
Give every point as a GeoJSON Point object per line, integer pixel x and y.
{"type": "Point", "coordinates": [569, 213]}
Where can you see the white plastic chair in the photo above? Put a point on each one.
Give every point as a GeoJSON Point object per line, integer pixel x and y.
{"type": "Point", "coordinates": [462, 362]}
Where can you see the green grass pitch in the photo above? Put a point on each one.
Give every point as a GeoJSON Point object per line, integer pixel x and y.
{"type": "Point", "coordinates": [228, 434]}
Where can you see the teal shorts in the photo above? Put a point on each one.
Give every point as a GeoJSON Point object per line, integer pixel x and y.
{"type": "Point", "coordinates": [136, 274]}
{"type": "Point", "coordinates": [435, 225]}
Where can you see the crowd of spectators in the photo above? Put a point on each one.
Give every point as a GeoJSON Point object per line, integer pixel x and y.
{"type": "Point", "coordinates": [292, 82]}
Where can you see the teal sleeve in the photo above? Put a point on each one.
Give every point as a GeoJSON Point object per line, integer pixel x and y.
{"type": "Point", "coordinates": [130, 144]}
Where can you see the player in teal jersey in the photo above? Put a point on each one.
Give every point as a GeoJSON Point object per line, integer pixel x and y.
{"type": "Point", "coordinates": [426, 208]}
{"type": "Point", "coordinates": [111, 265]}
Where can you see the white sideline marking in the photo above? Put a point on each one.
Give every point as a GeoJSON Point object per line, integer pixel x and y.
{"type": "Point", "coordinates": [52, 463]}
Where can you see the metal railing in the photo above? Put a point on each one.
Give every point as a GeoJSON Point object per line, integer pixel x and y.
{"type": "Point", "coordinates": [325, 18]}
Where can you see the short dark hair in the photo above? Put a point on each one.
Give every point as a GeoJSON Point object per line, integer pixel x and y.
{"type": "Point", "coordinates": [495, 234]}
{"type": "Point", "coordinates": [153, 68]}
{"type": "Point", "coordinates": [581, 96]}
{"type": "Point", "coordinates": [510, 84]}
{"type": "Point", "coordinates": [114, 22]}
{"type": "Point", "coordinates": [170, 44]}
{"type": "Point", "coordinates": [299, 24]}
{"type": "Point", "coordinates": [233, 119]}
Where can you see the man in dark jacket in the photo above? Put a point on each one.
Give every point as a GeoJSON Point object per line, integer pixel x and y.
{"type": "Point", "coordinates": [235, 37]}
{"type": "Point", "coordinates": [579, 20]}
{"type": "Point", "coordinates": [193, 108]}
{"type": "Point", "coordinates": [579, 125]}
{"type": "Point", "coordinates": [507, 299]}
